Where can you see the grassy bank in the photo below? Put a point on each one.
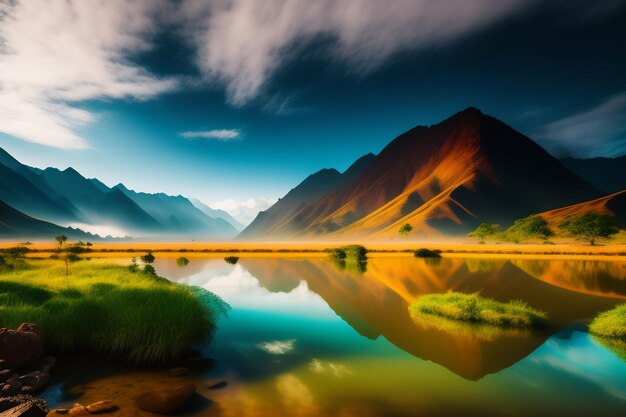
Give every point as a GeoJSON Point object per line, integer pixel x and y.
{"type": "Point", "coordinates": [610, 324]}
{"type": "Point", "coordinates": [108, 309]}
{"type": "Point", "coordinates": [473, 308]}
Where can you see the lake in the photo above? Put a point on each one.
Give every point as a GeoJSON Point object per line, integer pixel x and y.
{"type": "Point", "coordinates": [307, 337]}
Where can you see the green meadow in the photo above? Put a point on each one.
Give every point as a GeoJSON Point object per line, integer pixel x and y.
{"type": "Point", "coordinates": [137, 316]}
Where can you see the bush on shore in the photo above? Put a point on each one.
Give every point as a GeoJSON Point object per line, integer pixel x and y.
{"type": "Point", "coordinates": [143, 318]}
{"type": "Point", "coordinates": [610, 324]}
{"type": "Point", "coordinates": [476, 309]}
{"type": "Point", "coordinates": [426, 253]}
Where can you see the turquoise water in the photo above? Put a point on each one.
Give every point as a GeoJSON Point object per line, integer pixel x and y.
{"type": "Point", "coordinates": [306, 338]}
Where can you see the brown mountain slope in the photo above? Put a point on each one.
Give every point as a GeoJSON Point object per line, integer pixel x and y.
{"type": "Point", "coordinates": [446, 179]}
{"type": "Point", "coordinates": [613, 205]}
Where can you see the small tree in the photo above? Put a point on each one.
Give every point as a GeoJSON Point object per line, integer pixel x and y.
{"type": "Point", "coordinates": [61, 239]}
{"type": "Point", "coordinates": [147, 260]}
{"type": "Point", "coordinates": [590, 227]}
{"type": "Point", "coordinates": [182, 261]}
{"type": "Point", "coordinates": [406, 229]}
{"type": "Point", "coordinates": [485, 231]}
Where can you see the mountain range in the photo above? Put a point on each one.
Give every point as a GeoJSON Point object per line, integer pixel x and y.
{"type": "Point", "coordinates": [443, 179]}
{"type": "Point", "coordinates": [39, 202]}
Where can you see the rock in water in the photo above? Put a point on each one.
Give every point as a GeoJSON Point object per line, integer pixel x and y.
{"type": "Point", "coordinates": [29, 409]}
{"type": "Point", "coordinates": [21, 346]}
{"type": "Point", "coordinates": [165, 400]}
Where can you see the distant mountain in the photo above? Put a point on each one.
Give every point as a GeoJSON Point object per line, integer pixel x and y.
{"type": "Point", "coordinates": [19, 192]}
{"type": "Point", "coordinates": [218, 214]}
{"type": "Point", "coordinates": [177, 214]}
{"type": "Point", "coordinates": [608, 174]}
{"type": "Point", "coordinates": [443, 179]}
{"type": "Point", "coordinates": [66, 197]}
{"type": "Point", "coordinates": [284, 218]}
{"type": "Point", "coordinates": [15, 224]}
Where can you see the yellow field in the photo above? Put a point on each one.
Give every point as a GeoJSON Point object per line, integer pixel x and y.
{"type": "Point", "coordinates": [286, 249]}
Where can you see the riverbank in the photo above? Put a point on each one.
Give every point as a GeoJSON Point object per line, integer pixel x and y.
{"type": "Point", "coordinates": [286, 249]}
{"type": "Point", "coordinates": [137, 316]}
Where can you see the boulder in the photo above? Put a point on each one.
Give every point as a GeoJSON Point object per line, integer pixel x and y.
{"type": "Point", "coordinates": [21, 346]}
{"type": "Point", "coordinates": [165, 400]}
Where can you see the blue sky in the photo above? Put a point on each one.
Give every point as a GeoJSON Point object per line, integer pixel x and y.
{"type": "Point", "coordinates": [236, 101]}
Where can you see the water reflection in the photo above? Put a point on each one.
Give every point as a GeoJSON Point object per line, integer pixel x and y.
{"type": "Point", "coordinates": [305, 338]}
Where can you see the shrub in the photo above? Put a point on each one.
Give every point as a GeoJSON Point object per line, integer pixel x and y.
{"type": "Point", "coordinates": [232, 260]}
{"type": "Point", "coordinates": [426, 253]}
{"type": "Point", "coordinates": [531, 227]}
{"type": "Point", "coordinates": [476, 309]}
{"type": "Point", "coordinates": [610, 324]}
{"type": "Point", "coordinates": [182, 261]}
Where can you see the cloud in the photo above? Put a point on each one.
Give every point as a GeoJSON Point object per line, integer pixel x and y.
{"type": "Point", "coordinates": [244, 211]}
{"type": "Point", "coordinates": [57, 54]}
{"type": "Point", "coordinates": [242, 43]}
{"type": "Point", "coordinates": [218, 134]}
{"type": "Point", "coordinates": [597, 131]}
{"type": "Point", "coordinates": [277, 347]}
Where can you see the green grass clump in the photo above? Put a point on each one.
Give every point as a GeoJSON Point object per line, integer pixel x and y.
{"type": "Point", "coordinates": [426, 253]}
{"type": "Point", "coordinates": [610, 324]}
{"type": "Point", "coordinates": [232, 260]}
{"type": "Point", "coordinates": [473, 308]}
{"type": "Point", "coordinates": [182, 261]}
{"type": "Point", "coordinates": [106, 308]}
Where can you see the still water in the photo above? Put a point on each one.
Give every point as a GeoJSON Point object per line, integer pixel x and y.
{"type": "Point", "coordinates": [308, 338]}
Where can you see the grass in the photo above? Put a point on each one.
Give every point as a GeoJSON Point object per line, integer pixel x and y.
{"type": "Point", "coordinates": [472, 308]}
{"type": "Point", "coordinates": [108, 309]}
{"type": "Point", "coordinates": [610, 324]}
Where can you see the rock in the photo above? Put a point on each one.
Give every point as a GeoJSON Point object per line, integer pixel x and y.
{"type": "Point", "coordinates": [165, 400]}
{"type": "Point", "coordinates": [101, 407]}
{"type": "Point", "coordinates": [29, 409]}
{"type": "Point", "coordinates": [21, 346]}
{"type": "Point", "coordinates": [181, 371]}
{"type": "Point", "coordinates": [30, 382]}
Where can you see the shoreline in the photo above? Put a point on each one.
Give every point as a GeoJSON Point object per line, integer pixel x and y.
{"type": "Point", "coordinates": [289, 249]}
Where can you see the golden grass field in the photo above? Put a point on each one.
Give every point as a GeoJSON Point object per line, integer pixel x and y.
{"type": "Point", "coordinates": [288, 249]}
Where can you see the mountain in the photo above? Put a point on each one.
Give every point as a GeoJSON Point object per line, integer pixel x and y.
{"type": "Point", "coordinates": [16, 224]}
{"type": "Point", "coordinates": [66, 197]}
{"type": "Point", "coordinates": [177, 214]}
{"type": "Point", "coordinates": [442, 179]}
{"type": "Point", "coordinates": [20, 193]}
{"type": "Point", "coordinates": [218, 214]}
{"type": "Point", "coordinates": [124, 212]}
{"type": "Point", "coordinates": [613, 204]}
{"type": "Point", "coordinates": [282, 219]}
{"type": "Point", "coordinates": [608, 174]}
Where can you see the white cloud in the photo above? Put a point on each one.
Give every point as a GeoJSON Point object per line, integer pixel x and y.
{"type": "Point", "coordinates": [244, 211]}
{"type": "Point", "coordinates": [277, 347]}
{"type": "Point", "coordinates": [218, 134]}
{"type": "Point", "coordinates": [55, 54]}
{"type": "Point", "coordinates": [598, 131]}
{"type": "Point", "coordinates": [242, 43]}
